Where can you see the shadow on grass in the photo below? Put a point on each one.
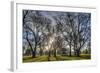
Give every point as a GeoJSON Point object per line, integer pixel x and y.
{"type": "Point", "coordinates": [27, 57]}
{"type": "Point", "coordinates": [82, 57]}
{"type": "Point", "coordinates": [86, 56]}
{"type": "Point", "coordinates": [37, 59]}
{"type": "Point", "coordinates": [57, 58]}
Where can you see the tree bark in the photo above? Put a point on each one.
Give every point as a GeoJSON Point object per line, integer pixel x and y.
{"type": "Point", "coordinates": [30, 47]}
{"type": "Point", "coordinates": [78, 53]}
{"type": "Point", "coordinates": [34, 54]}
{"type": "Point", "coordinates": [49, 55]}
{"type": "Point", "coordinates": [41, 52]}
{"type": "Point", "coordinates": [70, 50]}
{"type": "Point", "coordinates": [54, 52]}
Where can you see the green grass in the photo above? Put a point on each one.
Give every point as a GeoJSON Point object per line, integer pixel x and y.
{"type": "Point", "coordinates": [57, 58]}
{"type": "Point", "coordinates": [37, 59]}
{"type": "Point", "coordinates": [82, 57]}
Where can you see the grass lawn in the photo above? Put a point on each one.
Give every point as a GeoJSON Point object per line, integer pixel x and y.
{"type": "Point", "coordinates": [57, 58]}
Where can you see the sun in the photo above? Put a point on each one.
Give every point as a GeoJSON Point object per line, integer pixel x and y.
{"type": "Point", "coordinates": [50, 42]}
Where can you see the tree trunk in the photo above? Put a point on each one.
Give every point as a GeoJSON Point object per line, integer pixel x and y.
{"type": "Point", "coordinates": [75, 52]}
{"type": "Point", "coordinates": [70, 50]}
{"type": "Point", "coordinates": [41, 52]}
{"type": "Point", "coordinates": [30, 48]}
{"type": "Point", "coordinates": [34, 54]}
{"type": "Point", "coordinates": [54, 52]}
{"type": "Point", "coordinates": [78, 53]}
{"type": "Point", "coordinates": [49, 55]}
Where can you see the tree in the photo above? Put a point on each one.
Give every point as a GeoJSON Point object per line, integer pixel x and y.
{"type": "Point", "coordinates": [77, 30]}
{"type": "Point", "coordinates": [36, 24]}
{"type": "Point", "coordinates": [53, 29]}
{"type": "Point", "coordinates": [81, 31]}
